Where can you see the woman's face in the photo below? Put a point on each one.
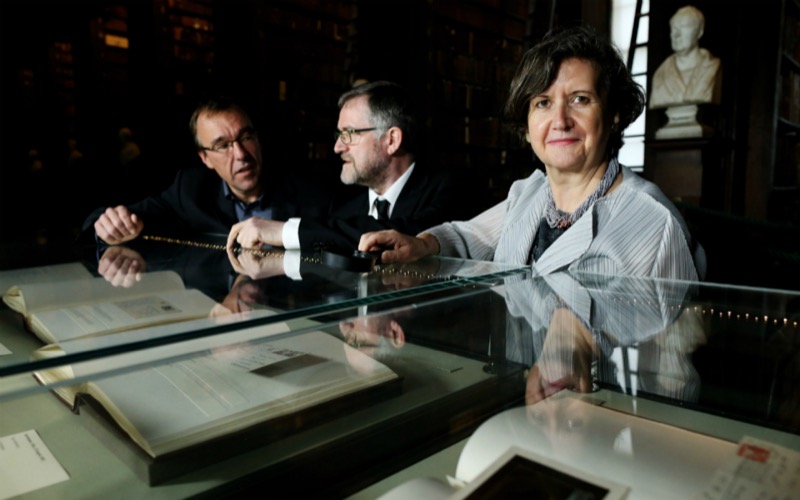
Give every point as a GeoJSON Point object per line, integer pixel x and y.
{"type": "Point", "coordinates": [566, 127]}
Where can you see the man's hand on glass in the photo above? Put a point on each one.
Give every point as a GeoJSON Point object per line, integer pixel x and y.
{"type": "Point", "coordinates": [256, 232]}
{"type": "Point", "coordinates": [118, 225]}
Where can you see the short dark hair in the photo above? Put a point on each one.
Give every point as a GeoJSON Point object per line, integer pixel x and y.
{"type": "Point", "coordinates": [539, 68]}
{"type": "Point", "coordinates": [213, 106]}
{"type": "Point", "coordinates": [389, 106]}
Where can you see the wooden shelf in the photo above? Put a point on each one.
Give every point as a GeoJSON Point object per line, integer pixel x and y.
{"type": "Point", "coordinates": [788, 125]}
{"type": "Point", "coordinates": [791, 63]}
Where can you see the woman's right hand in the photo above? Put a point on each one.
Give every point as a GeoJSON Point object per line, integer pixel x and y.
{"type": "Point", "coordinates": [398, 247]}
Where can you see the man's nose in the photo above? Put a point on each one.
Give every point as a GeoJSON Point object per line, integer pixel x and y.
{"type": "Point", "coordinates": [339, 146]}
{"type": "Point", "coordinates": [239, 151]}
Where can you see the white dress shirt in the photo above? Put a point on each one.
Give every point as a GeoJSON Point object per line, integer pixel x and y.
{"type": "Point", "coordinates": [291, 228]}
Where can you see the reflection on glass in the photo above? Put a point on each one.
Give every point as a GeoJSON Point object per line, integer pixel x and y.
{"type": "Point", "coordinates": [567, 328]}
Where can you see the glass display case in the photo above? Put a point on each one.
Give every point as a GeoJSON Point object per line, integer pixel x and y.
{"type": "Point", "coordinates": [331, 380]}
{"type": "Point", "coordinates": [174, 369]}
{"type": "Point", "coordinates": [665, 389]}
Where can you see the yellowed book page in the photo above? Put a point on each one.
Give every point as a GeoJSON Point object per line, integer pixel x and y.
{"type": "Point", "coordinates": [230, 382]}
{"type": "Point", "coordinates": [29, 298]}
{"type": "Point", "coordinates": [59, 325]}
{"type": "Point", "coordinates": [43, 274]}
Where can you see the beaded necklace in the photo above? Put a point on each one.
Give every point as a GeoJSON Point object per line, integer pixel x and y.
{"type": "Point", "coordinates": [562, 220]}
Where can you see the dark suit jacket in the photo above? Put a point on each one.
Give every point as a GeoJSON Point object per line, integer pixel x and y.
{"type": "Point", "coordinates": [195, 202]}
{"type": "Point", "coordinates": [426, 200]}
{"type": "Point", "coordinates": [332, 217]}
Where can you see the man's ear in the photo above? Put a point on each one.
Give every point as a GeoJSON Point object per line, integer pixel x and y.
{"type": "Point", "coordinates": [394, 138]}
{"type": "Point", "coordinates": [204, 158]}
{"type": "Point", "coordinates": [396, 334]}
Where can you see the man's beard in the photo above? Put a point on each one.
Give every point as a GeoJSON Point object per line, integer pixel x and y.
{"type": "Point", "coordinates": [370, 175]}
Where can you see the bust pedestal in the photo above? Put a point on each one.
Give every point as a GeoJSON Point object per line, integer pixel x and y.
{"type": "Point", "coordinates": [694, 171]}
{"type": "Point", "coordinates": [682, 123]}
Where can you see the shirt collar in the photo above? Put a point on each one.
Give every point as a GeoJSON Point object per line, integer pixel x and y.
{"type": "Point", "coordinates": [394, 190]}
{"type": "Point", "coordinates": [226, 190]}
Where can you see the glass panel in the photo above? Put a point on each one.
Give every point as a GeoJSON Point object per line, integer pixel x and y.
{"type": "Point", "coordinates": [632, 153]}
{"type": "Point", "coordinates": [194, 289]}
{"type": "Point", "coordinates": [622, 15]}
{"type": "Point", "coordinates": [637, 127]}
{"type": "Point", "coordinates": [286, 393]}
{"type": "Point", "coordinates": [700, 331]}
{"type": "Point", "coordinates": [703, 364]}
{"type": "Point", "coordinates": [642, 36]}
{"type": "Point", "coordinates": [639, 61]}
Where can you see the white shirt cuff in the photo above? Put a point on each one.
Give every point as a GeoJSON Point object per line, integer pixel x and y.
{"type": "Point", "coordinates": [291, 264]}
{"type": "Point", "coordinates": [291, 234]}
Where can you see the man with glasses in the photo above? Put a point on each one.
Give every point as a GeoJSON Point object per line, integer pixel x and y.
{"type": "Point", "coordinates": [376, 140]}
{"type": "Point", "coordinates": [201, 202]}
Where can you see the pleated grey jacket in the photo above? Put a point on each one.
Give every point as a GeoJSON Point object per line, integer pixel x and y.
{"type": "Point", "coordinates": [634, 230]}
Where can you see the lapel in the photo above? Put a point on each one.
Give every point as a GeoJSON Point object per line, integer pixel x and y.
{"type": "Point", "coordinates": [409, 197]}
{"type": "Point", "coordinates": [518, 235]}
{"type": "Point", "coordinates": [224, 207]}
{"type": "Point", "coordinates": [357, 205]}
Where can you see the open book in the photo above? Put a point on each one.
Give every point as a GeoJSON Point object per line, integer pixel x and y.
{"type": "Point", "coordinates": [215, 387]}
{"type": "Point", "coordinates": [625, 445]}
{"type": "Point", "coordinates": [56, 311]}
{"type": "Point", "coordinates": [42, 274]}
{"type": "Point", "coordinates": [518, 472]}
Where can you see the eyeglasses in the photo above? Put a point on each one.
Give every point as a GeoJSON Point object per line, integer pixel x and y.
{"type": "Point", "coordinates": [346, 136]}
{"type": "Point", "coordinates": [226, 147]}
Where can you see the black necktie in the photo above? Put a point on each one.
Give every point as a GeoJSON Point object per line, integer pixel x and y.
{"type": "Point", "coordinates": [382, 207]}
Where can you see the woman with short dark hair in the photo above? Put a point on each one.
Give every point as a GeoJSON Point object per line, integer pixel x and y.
{"type": "Point", "coordinates": [571, 99]}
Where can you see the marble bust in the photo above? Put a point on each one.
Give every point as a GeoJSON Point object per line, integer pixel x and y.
{"type": "Point", "coordinates": [691, 75]}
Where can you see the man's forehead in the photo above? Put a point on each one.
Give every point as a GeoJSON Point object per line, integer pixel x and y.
{"type": "Point", "coordinates": [222, 122]}
{"type": "Point", "coordinates": [358, 104]}
{"type": "Point", "coordinates": [354, 112]}
{"type": "Point", "coordinates": [226, 116]}
{"type": "Point", "coordinates": [684, 20]}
